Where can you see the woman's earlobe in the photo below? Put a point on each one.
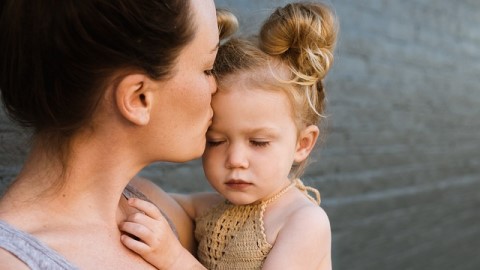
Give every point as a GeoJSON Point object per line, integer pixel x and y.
{"type": "Point", "coordinates": [306, 142]}
{"type": "Point", "coordinates": [133, 99]}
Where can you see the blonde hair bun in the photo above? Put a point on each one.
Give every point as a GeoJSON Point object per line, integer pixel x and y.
{"type": "Point", "coordinates": [227, 23]}
{"type": "Point", "coordinates": [304, 35]}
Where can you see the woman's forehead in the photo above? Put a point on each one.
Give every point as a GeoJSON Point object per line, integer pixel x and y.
{"type": "Point", "coordinates": [205, 22]}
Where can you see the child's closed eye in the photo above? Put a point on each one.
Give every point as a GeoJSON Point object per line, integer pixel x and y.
{"type": "Point", "coordinates": [213, 143]}
{"type": "Point", "coordinates": [258, 143]}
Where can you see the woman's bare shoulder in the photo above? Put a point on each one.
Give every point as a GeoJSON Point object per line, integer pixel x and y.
{"type": "Point", "coordinates": [9, 261]}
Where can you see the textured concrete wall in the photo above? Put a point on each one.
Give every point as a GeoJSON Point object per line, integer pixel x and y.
{"type": "Point", "coordinates": [400, 169]}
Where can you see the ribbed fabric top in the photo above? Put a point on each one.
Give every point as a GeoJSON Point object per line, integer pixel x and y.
{"type": "Point", "coordinates": [233, 236]}
{"type": "Point", "coordinates": [30, 250]}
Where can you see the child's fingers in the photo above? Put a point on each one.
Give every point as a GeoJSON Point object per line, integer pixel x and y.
{"type": "Point", "coordinates": [139, 228]}
{"type": "Point", "coordinates": [146, 207]}
{"type": "Point", "coordinates": [136, 246]}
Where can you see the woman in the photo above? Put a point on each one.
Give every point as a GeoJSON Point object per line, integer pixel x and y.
{"type": "Point", "coordinates": [107, 87]}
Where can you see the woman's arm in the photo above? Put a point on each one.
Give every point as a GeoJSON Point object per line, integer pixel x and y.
{"type": "Point", "coordinates": [304, 242]}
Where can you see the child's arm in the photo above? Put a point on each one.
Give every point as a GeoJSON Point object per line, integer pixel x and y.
{"type": "Point", "coordinates": [303, 243]}
{"type": "Point", "coordinates": [149, 235]}
{"type": "Point", "coordinates": [196, 204]}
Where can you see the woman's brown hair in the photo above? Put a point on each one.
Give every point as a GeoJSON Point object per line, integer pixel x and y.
{"type": "Point", "coordinates": [57, 57]}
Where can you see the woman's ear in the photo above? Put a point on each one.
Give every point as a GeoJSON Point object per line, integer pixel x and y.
{"type": "Point", "coordinates": [134, 98]}
{"type": "Point", "coordinates": [306, 141]}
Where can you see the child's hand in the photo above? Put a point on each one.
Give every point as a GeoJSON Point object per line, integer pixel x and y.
{"type": "Point", "coordinates": [148, 233]}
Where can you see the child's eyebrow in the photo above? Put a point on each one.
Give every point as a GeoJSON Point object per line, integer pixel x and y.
{"type": "Point", "coordinates": [268, 130]}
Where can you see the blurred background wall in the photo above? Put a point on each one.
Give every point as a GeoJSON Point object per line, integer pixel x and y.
{"type": "Point", "coordinates": [399, 171]}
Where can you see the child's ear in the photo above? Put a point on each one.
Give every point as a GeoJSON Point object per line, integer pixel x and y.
{"type": "Point", "coordinates": [133, 98]}
{"type": "Point", "coordinates": [306, 141]}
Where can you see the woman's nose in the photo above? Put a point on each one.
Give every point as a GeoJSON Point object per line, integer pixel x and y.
{"type": "Point", "coordinates": [213, 85]}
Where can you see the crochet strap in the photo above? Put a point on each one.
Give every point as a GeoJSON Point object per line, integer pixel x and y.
{"type": "Point", "coordinates": [305, 189]}
{"type": "Point", "coordinates": [279, 194]}
{"type": "Point", "coordinates": [298, 184]}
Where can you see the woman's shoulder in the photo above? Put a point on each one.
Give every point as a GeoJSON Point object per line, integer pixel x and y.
{"type": "Point", "coordinates": [21, 248]}
{"type": "Point", "coordinates": [9, 261]}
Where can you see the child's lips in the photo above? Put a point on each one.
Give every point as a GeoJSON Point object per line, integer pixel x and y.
{"type": "Point", "coordinates": [238, 184]}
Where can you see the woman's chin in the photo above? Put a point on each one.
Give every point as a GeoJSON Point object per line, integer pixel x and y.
{"type": "Point", "coordinates": [191, 154]}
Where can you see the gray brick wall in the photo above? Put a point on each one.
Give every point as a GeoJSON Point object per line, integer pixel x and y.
{"type": "Point", "coordinates": [399, 171]}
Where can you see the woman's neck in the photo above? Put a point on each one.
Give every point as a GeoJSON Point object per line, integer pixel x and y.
{"type": "Point", "coordinates": [87, 189]}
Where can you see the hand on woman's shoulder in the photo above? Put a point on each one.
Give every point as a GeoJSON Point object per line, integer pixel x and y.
{"type": "Point", "coordinates": [170, 207]}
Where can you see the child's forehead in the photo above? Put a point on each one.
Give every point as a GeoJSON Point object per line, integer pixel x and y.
{"type": "Point", "coordinates": [271, 72]}
{"type": "Point", "coordinates": [250, 102]}
{"type": "Point", "coordinates": [252, 91]}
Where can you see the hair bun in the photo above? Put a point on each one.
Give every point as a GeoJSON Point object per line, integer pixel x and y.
{"type": "Point", "coordinates": [227, 23]}
{"type": "Point", "coordinates": [304, 35]}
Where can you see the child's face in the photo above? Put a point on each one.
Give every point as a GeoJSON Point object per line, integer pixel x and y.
{"type": "Point", "coordinates": [251, 144]}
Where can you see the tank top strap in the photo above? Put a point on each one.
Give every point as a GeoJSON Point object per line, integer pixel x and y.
{"type": "Point", "coordinates": [34, 253]}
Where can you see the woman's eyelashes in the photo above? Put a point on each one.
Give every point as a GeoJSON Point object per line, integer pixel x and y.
{"type": "Point", "coordinates": [208, 72]}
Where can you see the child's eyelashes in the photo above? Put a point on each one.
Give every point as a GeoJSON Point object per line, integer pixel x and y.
{"type": "Point", "coordinates": [254, 143]}
{"type": "Point", "coordinates": [260, 143]}
{"type": "Point", "coordinates": [214, 143]}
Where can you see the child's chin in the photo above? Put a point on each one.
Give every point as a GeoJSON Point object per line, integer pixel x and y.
{"type": "Point", "coordinates": [239, 201]}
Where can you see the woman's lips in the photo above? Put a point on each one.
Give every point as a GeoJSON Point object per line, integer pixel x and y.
{"type": "Point", "coordinates": [238, 184]}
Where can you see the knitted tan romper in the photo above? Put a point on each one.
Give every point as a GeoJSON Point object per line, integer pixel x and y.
{"type": "Point", "coordinates": [233, 236]}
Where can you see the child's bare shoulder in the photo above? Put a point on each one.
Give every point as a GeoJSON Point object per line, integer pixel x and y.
{"type": "Point", "coordinates": [312, 214]}
{"type": "Point", "coordinates": [309, 218]}
{"type": "Point", "coordinates": [305, 234]}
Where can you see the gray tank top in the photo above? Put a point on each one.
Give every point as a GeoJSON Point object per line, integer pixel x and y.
{"type": "Point", "coordinates": [31, 251]}
{"type": "Point", "coordinates": [36, 254]}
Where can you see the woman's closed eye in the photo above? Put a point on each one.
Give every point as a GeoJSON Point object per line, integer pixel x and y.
{"type": "Point", "coordinates": [208, 72]}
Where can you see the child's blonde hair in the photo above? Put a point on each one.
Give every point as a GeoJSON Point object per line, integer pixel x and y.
{"type": "Point", "coordinates": [293, 53]}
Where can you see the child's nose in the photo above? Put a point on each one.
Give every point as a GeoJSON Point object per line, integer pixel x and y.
{"type": "Point", "coordinates": [236, 157]}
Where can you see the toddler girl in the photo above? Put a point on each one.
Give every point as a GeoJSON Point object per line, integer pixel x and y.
{"type": "Point", "coordinates": [269, 101]}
